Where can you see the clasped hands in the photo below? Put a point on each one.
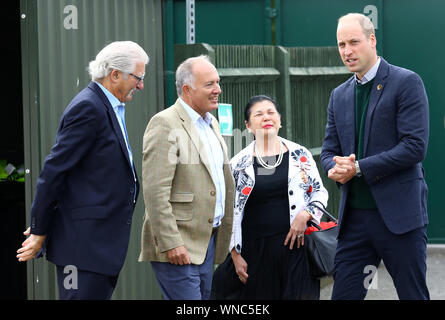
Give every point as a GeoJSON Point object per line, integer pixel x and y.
{"type": "Point", "coordinates": [344, 169]}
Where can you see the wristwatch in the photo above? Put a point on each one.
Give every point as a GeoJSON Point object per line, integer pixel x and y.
{"type": "Point", "coordinates": [358, 172]}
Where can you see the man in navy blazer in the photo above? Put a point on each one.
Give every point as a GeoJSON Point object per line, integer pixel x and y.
{"type": "Point", "coordinates": [87, 189]}
{"type": "Point", "coordinates": [376, 138]}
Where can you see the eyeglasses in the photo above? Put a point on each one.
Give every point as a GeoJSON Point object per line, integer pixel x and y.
{"type": "Point", "coordinates": [137, 77]}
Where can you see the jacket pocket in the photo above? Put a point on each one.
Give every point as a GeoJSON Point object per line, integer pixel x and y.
{"type": "Point", "coordinates": [182, 206]}
{"type": "Point", "coordinates": [91, 212]}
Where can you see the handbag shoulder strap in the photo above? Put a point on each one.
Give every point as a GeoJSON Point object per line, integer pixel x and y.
{"type": "Point", "coordinates": [322, 209]}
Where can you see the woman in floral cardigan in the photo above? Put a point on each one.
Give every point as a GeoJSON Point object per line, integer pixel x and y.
{"type": "Point", "coordinates": [276, 181]}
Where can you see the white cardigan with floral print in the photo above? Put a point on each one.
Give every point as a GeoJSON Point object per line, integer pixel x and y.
{"type": "Point", "coordinates": [304, 183]}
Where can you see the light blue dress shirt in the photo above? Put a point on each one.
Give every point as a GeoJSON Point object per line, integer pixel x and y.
{"type": "Point", "coordinates": [370, 74]}
{"type": "Point", "coordinates": [214, 154]}
{"type": "Point", "coordinates": [115, 103]}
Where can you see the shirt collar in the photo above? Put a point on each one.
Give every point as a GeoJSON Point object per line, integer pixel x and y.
{"type": "Point", "coordinates": [195, 116]}
{"type": "Point", "coordinates": [370, 74]}
{"type": "Point", "coordinates": [111, 98]}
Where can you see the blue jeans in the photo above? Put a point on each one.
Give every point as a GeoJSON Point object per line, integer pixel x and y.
{"type": "Point", "coordinates": [186, 282]}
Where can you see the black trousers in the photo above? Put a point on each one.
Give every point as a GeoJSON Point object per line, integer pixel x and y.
{"type": "Point", "coordinates": [76, 284]}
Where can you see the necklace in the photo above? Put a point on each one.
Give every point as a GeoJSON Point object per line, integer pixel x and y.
{"type": "Point", "coordinates": [264, 164]}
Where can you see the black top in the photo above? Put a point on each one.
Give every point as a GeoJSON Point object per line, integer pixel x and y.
{"type": "Point", "coordinates": [267, 209]}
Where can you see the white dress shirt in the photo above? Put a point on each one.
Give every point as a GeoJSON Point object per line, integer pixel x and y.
{"type": "Point", "coordinates": [215, 156]}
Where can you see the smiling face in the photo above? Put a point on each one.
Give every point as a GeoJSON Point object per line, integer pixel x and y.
{"type": "Point", "coordinates": [203, 95]}
{"type": "Point", "coordinates": [127, 84]}
{"type": "Point", "coordinates": [357, 51]}
{"type": "Point", "coordinates": [264, 119]}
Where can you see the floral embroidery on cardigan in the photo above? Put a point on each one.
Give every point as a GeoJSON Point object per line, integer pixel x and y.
{"type": "Point", "coordinates": [301, 158]}
{"type": "Point", "coordinates": [310, 185]}
{"type": "Point", "coordinates": [246, 191]}
{"type": "Point", "coordinates": [245, 162]}
{"type": "Point", "coordinates": [243, 188]}
{"type": "Point", "coordinates": [304, 182]}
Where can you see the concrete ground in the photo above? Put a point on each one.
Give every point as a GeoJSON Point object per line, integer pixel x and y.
{"type": "Point", "coordinates": [384, 289]}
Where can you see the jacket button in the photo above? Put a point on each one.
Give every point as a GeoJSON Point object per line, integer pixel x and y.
{"type": "Point", "coordinates": [212, 193]}
{"type": "Point", "coordinates": [132, 190]}
{"type": "Point", "coordinates": [211, 220]}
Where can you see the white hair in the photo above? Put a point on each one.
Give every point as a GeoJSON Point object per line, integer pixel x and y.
{"type": "Point", "coordinates": [184, 73]}
{"type": "Point", "coordinates": [118, 55]}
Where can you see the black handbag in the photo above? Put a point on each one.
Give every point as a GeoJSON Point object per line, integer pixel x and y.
{"type": "Point", "coordinates": [321, 245]}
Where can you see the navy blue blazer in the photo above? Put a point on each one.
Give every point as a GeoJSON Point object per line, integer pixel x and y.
{"type": "Point", "coordinates": [85, 193]}
{"type": "Point", "coordinates": [395, 144]}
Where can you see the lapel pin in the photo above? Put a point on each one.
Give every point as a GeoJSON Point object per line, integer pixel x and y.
{"type": "Point", "coordinates": [379, 87]}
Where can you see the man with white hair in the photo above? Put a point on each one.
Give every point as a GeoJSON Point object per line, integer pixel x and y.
{"type": "Point", "coordinates": [87, 189]}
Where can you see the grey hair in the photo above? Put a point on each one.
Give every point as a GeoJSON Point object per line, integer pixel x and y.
{"type": "Point", "coordinates": [364, 21]}
{"type": "Point", "coordinates": [118, 55]}
{"type": "Point", "coordinates": [184, 73]}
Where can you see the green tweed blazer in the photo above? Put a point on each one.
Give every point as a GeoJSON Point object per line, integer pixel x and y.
{"type": "Point", "coordinates": [179, 192]}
